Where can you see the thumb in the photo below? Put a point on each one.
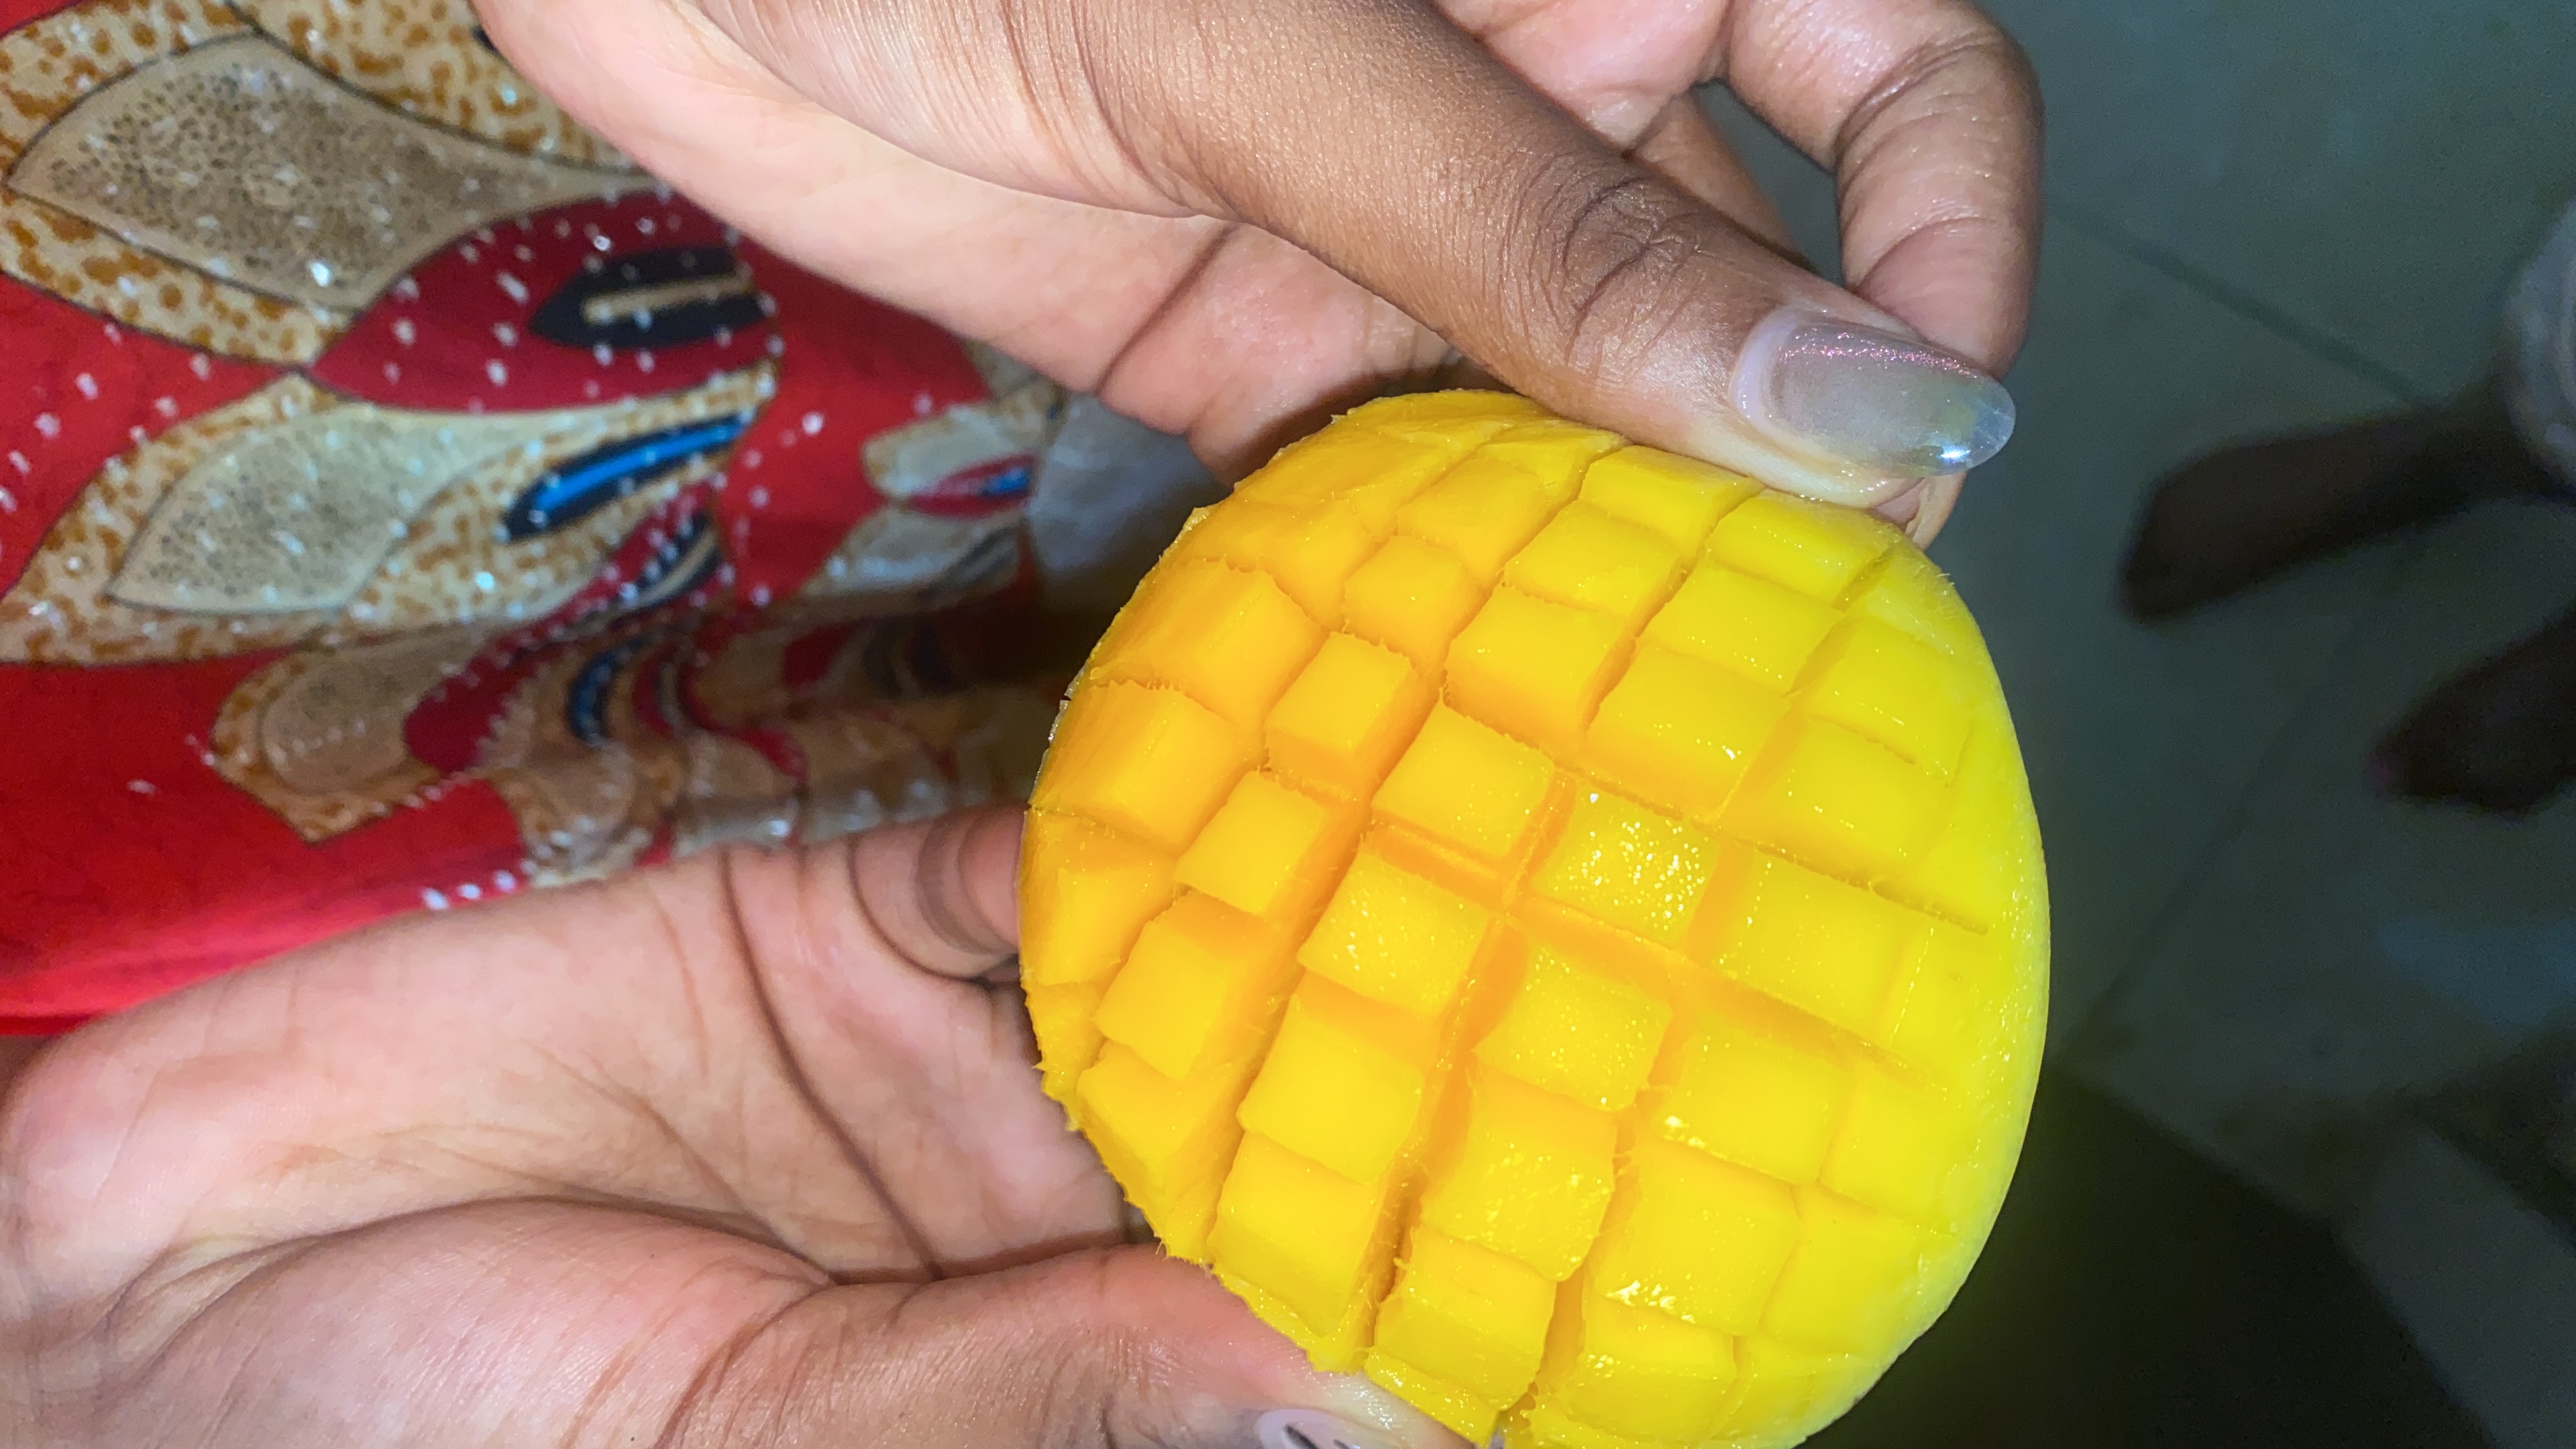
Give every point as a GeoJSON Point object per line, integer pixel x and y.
{"type": "Point", "coordinates": [1114, 1347]}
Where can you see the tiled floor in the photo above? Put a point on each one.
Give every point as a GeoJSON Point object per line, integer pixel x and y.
{"type": "Point", "coordinates": [2265, 214]}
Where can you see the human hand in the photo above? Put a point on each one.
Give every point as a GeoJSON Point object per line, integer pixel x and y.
{"type": "Point", "coordinates": [742, 1151]}
{"type": "Point", "coordinates": [1228, 218]}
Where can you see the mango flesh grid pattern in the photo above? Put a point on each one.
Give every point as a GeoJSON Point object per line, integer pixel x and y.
{"type": "Point", "coordinates": [1555, 927]}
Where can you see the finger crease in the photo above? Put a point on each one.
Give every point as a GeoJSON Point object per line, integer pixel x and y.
{"type": "Point", "coordinates": [1908, 76]}
{"type": "Point", "coordinates": [794, 1068]}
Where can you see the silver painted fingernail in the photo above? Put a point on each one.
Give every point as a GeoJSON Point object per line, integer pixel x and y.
{"type": "Point", "coordinates": [1309, 1429]}
{"type": "Point", "coordinates": [1879, 402]}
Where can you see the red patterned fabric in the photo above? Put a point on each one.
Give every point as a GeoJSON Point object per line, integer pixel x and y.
{"type": "Point", "coordinates": [358, 559]}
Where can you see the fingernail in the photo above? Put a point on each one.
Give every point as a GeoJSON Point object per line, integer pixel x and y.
{"type": "Point", "coordinates": [1879, 402]}
{"type": "Point", "coordinates": [1310, 1429]}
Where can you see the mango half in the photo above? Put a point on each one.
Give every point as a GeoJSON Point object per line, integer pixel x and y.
{"type": "Point", "coordinates": [1555, 927]}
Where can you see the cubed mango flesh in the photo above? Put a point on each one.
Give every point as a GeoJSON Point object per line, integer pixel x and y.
{"type": "Point", "coordinates": [1553, 926]}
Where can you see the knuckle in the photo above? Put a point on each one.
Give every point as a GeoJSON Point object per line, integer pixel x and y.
{"type": "Point", "coordinates": [1976, 68]}
{"type": "Point", "coordinates": [1617, 252]}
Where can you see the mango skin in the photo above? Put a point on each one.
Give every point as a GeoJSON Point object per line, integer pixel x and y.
{"type": "Point", "coordinates": [1553, 926]}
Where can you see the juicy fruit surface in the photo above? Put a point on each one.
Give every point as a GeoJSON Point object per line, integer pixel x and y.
{"type": "Point", "coordinates": [1556, 928]}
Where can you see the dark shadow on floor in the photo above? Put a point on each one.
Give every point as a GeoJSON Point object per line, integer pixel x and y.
{"type": "Point", "coordinates": [2133, 1297]}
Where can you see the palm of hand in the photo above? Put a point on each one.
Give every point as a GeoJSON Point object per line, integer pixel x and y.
{"type": "Point", "coordinates": [744, 1151]}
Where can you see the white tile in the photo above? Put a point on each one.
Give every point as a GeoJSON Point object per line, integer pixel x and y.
{"type": "Point", "coordinates": [2370, 171]}
{"type": "Point", "coordinates": [2484, 1286]}
{"type": "Point", "coordinates": [2342, 951]}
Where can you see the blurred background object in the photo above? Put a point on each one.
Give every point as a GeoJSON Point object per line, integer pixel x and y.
{"type": "Point", "coordinates": [2309, 1067]}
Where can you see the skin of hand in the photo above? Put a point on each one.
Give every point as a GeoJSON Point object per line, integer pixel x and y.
{"type": "Point", "coordinates": [1231, 219]}
{"type": "Point", "coordinates": [742, 1151]}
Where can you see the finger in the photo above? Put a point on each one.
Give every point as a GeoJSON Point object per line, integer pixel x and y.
{"type": "Point", "coordinates": [1614, 63]}
{"type": "Point", "coordinates": [1391, 144]}
{"type": "Point", "coordinates": [729, 1038]}
{"type": "Point", "coordinates": [940, 891]}
{"type": "Point", "coordinates": [1684, 147]}
{"type": "Point", "coordinates": [1117, 1347]}
{"type": "Point", "coordinates": [1928, 115]}
{"type": "Point", "coordinates": [1923, 509]}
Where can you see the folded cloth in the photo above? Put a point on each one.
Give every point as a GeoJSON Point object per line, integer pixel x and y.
{"type": "Point", "coordinates": [405, 502]}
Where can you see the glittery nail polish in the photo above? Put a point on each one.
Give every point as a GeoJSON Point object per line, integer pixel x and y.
{"type": "Point", "coordinates": [1870, 399]}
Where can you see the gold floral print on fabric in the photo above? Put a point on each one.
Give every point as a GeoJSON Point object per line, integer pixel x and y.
{"type": "Point", "coordinates": [240, 160]}
{"type": "Point", "coordinates": [61, 612]}
{"type": "Point", "coordinates": [45, 67]}
{"type": "Point", "coordinates": [453, 565]}
{"type": "Point", "coordinates": [422, 56]}
{"type": "Point", "coordinates": [318, 737]}
{"type": "Point", "coordinates": [295, 515]}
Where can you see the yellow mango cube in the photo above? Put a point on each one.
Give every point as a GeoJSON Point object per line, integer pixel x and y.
{"type": "Point", "coordinates": [1787, 1392]}
{"type": "Point", "coordinates": [1545, 1424]}
{"type": "Point", "coordinates": [1468, 1315]}
{"type": "Point", "coordinates": [1080, 913]}
{"type": "Point", "coordinates": [1232, 643]}
{"type": "Point", "coordinates": [1896, 1147]}
{"type": "Point", "coordinates": [1347, 714]}
{"type": "Point", "coordinates": [1480, 514]}
{"type": "Point", "coordinates": [1824, 795]}
{"type": "Point", "coordinates": [1242, 535]}
{"type": "Point", "coordinates": [1598, 561]}
{"type": "Point", "coordinates": [1554, 450]}
{"type": "Point", "coordinates": [1269, 848]}
{"type": "Point", "coordinates": [1538, 665]}
{"type": "Point", "coordinates": [1063, 1018]}
{"type": "Point", "coordinates": [1700, 1239]}
{"type": "Point", "coordinates": [1612, 883]}
{"type": "Point", "coordinates": [1300, 1232]}
{"type": "Point", "coordinates": [1528, 1176]}
{"type": "Point", "coordinates": [1369, 471]}
{"type": "Point", "coordinates": [1465, 1413]}
{"type": "Point", "coordinates": [1973, 871]}
{"type": "Point", "coordinates": [1339, 1088]}
{"type": "Point", "coordinates": [1675, 497]}
{"type": "Point", "coordinates": [1850, 1281]}
{"type": "Point", "coordinates": [1151, 762]}
{"type": "Point", "coordinates": [1952, 1009]}
{"type": "Point", "coordinates": [1467, 786]}
{"type": "Point", "coordinates": [1751, 626]}
{"type": "Point", "coordinates": [1165, 1141]}
{"type": "Point", "coordinates": [1908, 595]}
{"type": "Point", "coordinates": [1638, 1372]}
{"type": "Point", "coordinates": [1200, 988]}
{"type": "Point", "coordinates": [1893, 690]}
{"type": "Point", "coordinates": [1627, 866]}
{"type": "Point", "coordinates": [1682, 731]}
{"type": "Point", "coordinates": [1454, 422]}
{"type": "Point", "coordinates": [1393, 936]}
{"type": "Point", "coordinates": [1313, 556]}
{"type": "Point", "coordinates": [1813, 548]}
{"type": "Point", "coordinates": [1798, 936]}
{"type": "Point", "coordinates": [1411, 597]}
{"type": "Point", "coordinates": [1578, 1032]}
{"type": "Point", "coordinates": [1738, 1092]}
